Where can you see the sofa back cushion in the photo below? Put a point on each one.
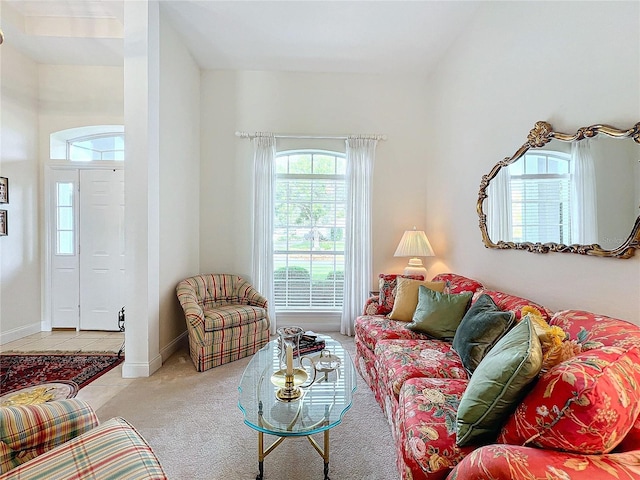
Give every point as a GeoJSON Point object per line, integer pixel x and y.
{"type": "Point", "coordinates": [458, 283]}
{"type": "Point", "coordinates": [585, 405]}
{"type": "Point", "coordinates": [506, 301]}
{"type": "Point", "coordinates": [593, 330]}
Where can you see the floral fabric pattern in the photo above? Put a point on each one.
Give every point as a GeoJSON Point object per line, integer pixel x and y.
{"type": "Point", "coordinates": [401, 360]}
{"type": "Point", "coordinates": [427, 420]}
{"type": "Point", "coordinates": [584, 405]}
{"type": "Point", "coordinates": [372, 329]}
{"type": "Point", "coordinates": [589, 403]}
{"type": "Point", "coordinates": [508, 462]}
{"type": "Point", "coordinates": [507, 301]}
{"type": "Point", "coordinates": [593, 331]}
{"type": "Point", "coordinates": [458, 283]}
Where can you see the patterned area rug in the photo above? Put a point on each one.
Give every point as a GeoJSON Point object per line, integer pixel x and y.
{"type": "Point", "coordinates": [28, 369]}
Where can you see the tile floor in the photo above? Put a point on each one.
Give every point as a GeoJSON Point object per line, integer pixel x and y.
{"type": "Point", "coordinates": [98, 392]}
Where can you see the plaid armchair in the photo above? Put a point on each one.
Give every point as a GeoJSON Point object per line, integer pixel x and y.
{"type": "Point", "coordinates": [63, 439]}
{"type": "Point", "coordinates": [226, 318]}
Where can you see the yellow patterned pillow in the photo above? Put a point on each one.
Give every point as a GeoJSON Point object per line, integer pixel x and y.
{"type": "Point", "coordinates": [556, 348]}
{"type": "Point", "coordinates": [407, 297]}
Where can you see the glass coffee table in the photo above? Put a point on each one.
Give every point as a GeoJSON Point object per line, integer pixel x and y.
{"type": "Point", "coordinates": [324, 399]}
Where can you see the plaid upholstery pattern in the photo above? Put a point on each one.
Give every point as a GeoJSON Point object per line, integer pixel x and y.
{"type": "Point", "coordinates": [27, 431]}
{"type": "Point", "coordinates": [226, 318]}
{"type": "Point", "coordinates": [113, 450]}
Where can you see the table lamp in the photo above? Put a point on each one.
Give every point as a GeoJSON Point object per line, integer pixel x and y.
{"type": "Point", "coordinates": [414, 243]}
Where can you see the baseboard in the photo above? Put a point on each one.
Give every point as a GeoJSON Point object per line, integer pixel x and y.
{"type": "Point", "coordinates": [143, 369]}
{"type": "Point", "coordinates": [18, 333]}
{"type": "Point", "coordinates": [173, 346]}
{"type": "Point", "coordinates": [140, 369]}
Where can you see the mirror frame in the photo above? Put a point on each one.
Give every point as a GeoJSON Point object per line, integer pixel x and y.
{"type": "Point", "coordinates": [540, 135]}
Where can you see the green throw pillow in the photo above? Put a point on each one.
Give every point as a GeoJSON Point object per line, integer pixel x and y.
{"type": "Point", "coordinates": [498, 385]}
{"type": "Point", "coordinates": [482, 326]}
{"type": "Point", "coordinates": [439, 314]}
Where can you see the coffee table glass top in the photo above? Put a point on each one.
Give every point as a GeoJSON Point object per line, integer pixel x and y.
{"type": "Point", "coordinates": [320, 407]}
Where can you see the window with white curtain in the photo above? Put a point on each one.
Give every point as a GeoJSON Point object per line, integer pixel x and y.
{"type": "Point", "coordinates": [309, 230]}
{"type": "Point", "coordinates": [541, 200]}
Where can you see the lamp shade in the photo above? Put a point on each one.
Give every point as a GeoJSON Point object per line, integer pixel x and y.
{"type": "Point", "coordinates": [414, 243]}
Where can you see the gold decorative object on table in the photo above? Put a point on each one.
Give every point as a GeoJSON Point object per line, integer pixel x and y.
{"type": "Point", "coordinates": [289, 384]}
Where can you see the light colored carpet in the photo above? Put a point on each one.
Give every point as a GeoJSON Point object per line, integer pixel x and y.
{"type": "Point", "coordinates": [193, 423]}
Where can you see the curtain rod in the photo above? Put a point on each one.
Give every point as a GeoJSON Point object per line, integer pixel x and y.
{"type": "Point", "coordinates": [315, 137]}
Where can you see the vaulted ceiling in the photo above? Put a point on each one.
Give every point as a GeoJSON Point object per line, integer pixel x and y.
{"type": "Point", "coordinates": [307, 36]}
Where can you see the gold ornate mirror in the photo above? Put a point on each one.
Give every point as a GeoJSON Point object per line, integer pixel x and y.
{"type": "Point", "coordinates": [575, 193]}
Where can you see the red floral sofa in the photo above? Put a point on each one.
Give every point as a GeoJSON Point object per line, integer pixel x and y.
{"type": "Point", "coordinates": [578, 420]}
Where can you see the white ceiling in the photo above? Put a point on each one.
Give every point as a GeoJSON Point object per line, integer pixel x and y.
{"type": "Point", "coordinates": [308, 36]}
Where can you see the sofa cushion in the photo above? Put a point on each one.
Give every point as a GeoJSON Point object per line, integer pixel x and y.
{"type": "Point", "coordinates": [371, 329]}
{"type": "Point", "coordinates": [406, 299]}
{"type": "Point", "coordinates": [426, 421]}
{"type": "Point", "coordinates": [481, 327]}
{"type": "Point", "coordinates": [221, 318]}
{"type": "Point", "coordinates": [506, 301]}
{"type": "Point", "coordinates": [399, 360]}
{"type": "Point", "coordinates": [586, 404]}
{"type": "Point", "coordinates": [387, 283]}
{"type": "Point", "coordinates": [498, 384]}
{"type": "Point", "coordinates": [439, 314]}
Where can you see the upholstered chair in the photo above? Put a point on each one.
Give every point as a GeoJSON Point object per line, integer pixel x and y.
{"type": "Point", "coordinates": [226, 318]}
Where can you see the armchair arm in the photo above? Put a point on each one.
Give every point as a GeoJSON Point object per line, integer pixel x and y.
{"type": "Point", "coordinates": [248, 293]}
{"type": "Point", "coordinates": [505, 462]}
{"type": "Point", "coordinates": [189, 301]}
{"type": "Point", "coordinates": [27, 431]}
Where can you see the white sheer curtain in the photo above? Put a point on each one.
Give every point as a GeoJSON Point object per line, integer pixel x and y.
{"type": "Point", "coordinates": [584, 222]}
{"type": "Point", "coordinates": [357, 249]}
{"type": "Point", "coordinates": [499, 223]}
{"type": "Point", "coordinates": [264, 154]}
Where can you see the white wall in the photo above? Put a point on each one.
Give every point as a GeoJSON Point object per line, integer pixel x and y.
{"type": "Point", "coordinates": [179, 178]}
{"type": "Point", "coordinates": [572, 64]}
{"type": "Point", "coordinates": [20, 288]}
{"type": "Point", "coordinates": [309, 104]}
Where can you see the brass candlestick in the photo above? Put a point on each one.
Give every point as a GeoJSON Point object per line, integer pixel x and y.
{"type": "Point", "coordinates": [289, 392]}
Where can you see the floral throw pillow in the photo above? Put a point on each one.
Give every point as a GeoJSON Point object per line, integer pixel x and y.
{"type": "Point", "coordinates": [387, 285]}
{"type": "Point", "coordinates": [585, 405]}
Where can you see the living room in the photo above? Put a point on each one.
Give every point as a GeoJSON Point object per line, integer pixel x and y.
{"type": "Point", "coordinates": [500, 76]}
{"type": "Point", "coordinates": [509, 65]}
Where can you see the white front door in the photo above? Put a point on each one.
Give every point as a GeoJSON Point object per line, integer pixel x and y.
{"type": "Point", "coordinates": [101, 235]}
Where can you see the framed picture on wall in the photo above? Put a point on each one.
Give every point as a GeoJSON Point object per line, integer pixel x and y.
{"type": "Point", "coordinates": [4, 190]}
{"type": "Point", "coordinates": [3, 223]}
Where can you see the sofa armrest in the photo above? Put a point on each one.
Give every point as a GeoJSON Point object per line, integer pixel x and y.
{"type": "Point", "coordinates": [505, 462]}
{"type": "Point", "coordinates": [193, 311]}
{"type": "Point", "coordinates": [371, 305]}
{"type": "Point", "coordinates": [27, 431]}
